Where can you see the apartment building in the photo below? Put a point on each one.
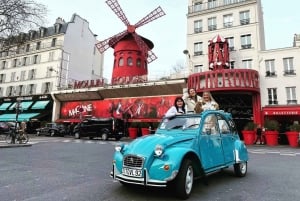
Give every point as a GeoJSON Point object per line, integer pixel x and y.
{"type": "Point", "coordinates": [241, 22]}
{"type": "Point", "coordinates": [50, 59]}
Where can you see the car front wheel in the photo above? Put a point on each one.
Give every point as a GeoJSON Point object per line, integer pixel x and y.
{"type": "Point", "coordinates": [240, 169]}
{"type": "Point", "coordinates": [185, 179]}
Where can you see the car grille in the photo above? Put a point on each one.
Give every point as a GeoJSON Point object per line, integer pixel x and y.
{"type": "Point", "coordinates": [133, 161]}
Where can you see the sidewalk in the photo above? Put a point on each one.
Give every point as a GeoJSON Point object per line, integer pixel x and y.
{"type": "Point", "coordinates": [4, 144]}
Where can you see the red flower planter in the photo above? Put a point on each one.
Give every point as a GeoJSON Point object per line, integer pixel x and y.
{"type": "Point", "coordinates": [293, 137]}
{"type": "Point", "coordinates": [272, 137]}
{"type": "Point", "coordinates": [249, 137]}
{"type": "Point", "coordinates": [132, 132]}
{"type": "Point", "coordinates": [145, 131]}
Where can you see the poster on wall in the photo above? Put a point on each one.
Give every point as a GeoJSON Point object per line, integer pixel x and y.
{"type": "Point", "coordinates": [138, 107]}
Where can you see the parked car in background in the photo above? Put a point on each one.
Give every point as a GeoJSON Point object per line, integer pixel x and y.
{"type": "Point", "coordinates": [100, 127]}
{"type": "Point", "coordinates": [6, 128]}
{"type": "Point", "coordinates": [184, 147]}
{"type": "Point", "coordinates": [52, 129]}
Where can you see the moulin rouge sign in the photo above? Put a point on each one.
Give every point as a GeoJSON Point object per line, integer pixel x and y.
{"type": "Point", "coordinates": [228, 79]}
{"type": "Point", "coordinates": [89, 83]}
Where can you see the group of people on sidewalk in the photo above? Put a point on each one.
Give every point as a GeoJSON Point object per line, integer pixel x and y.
{"type": "Point", "coordinates": [192, 103]}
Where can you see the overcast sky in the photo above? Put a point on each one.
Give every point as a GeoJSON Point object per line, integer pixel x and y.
{"type": "Point", "coordinates": [168, 33]}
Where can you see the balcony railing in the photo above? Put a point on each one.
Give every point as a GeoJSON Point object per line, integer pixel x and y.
{"type": "Point", "coordinates": [209, 5]}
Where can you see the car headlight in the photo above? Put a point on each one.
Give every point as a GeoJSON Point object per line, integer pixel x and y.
{"type": "Point", "coordinates": [159, 150]}
{"type": "Point", "coordinates": [119, 147]}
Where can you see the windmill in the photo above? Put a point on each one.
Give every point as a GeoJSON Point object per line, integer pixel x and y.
{"type": "Point", "coordinates": [132, 52]}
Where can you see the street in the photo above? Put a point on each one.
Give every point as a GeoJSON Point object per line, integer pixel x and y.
{"type": "Point", "coordinates": [78, 170]}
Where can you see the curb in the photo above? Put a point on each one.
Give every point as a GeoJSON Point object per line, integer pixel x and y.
{"type": "Point", "coordinates": [4, 145]}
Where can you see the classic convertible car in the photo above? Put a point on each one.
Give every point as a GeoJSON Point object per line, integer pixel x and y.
{"type": "Point", "coordinates": [184, 147]}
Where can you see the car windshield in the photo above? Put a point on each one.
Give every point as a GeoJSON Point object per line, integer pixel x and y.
{"type": "Point", "coordinates": [180, 122]}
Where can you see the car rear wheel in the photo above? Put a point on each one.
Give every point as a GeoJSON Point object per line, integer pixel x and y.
{"type": "Point", "coordinates": [185, 179]}
{"type": "Point", "coordinates": [240, 169]}
{"type": "Point", "coordinates": [104, 136]}
{"type": "Point", "coordinates": [76, 135]}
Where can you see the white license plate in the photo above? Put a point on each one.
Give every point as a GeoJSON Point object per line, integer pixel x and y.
{"type": "Point", "coordinates": [132, 172]}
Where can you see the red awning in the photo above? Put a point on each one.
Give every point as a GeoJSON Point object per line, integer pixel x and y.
{"type": "Point", "coordinates": [67, 121]}
{"type": "Point", "coordinates": [294, 110]}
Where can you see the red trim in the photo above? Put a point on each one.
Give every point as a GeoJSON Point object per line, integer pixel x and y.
{"type": "Point", "coordinates": [67, 121]}
{"type": "Point", "coordinates": [275, 111]}
{"type": "Point", "coordinates": [144, 120]}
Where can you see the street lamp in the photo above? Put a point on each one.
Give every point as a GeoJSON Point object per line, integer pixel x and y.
{"type": "Point", "coordinates": [189, 61]}
{"type": "Point", "coordinates": [18, 108]}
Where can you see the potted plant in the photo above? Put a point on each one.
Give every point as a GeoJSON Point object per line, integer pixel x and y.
{"type": "Point", "coordinates": [271, 132]}
{"type": "Point", "coordinates": [249, 132]}
{"type": "Point", "coordinates": [293, 135]}
{"type": "Point", "coordinates": [145, 130]}
{"type": "Point", "coordinates": [133, 130]}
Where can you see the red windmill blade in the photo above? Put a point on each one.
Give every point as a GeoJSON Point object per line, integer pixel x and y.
{"type": "Point", "coordinates": [111, 41]}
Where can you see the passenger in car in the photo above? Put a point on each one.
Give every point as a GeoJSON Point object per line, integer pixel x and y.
{"type": "Point", "coordinates": [191, 100]}
{"type": "Point", "coordinates": [177, 109]}
{"type": "Point", "coordinates": [209, 102]}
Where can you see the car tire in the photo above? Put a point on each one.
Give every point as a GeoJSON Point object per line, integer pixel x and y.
{"type": "Point", "coordinates": [184, 180]}
{"type": "Point", "coordinates": [104, 136]}
{"type": "Point", "coordinates": [77, 135]}
{"type": "Point", "coordinates": [240, 169]}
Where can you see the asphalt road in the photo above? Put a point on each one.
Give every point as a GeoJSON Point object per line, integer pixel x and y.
{"type": "Point", "coordinates": [58, 169]}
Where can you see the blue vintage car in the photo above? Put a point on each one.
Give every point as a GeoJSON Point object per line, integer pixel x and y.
{"type": "Point", "coordinates": [184, 147]}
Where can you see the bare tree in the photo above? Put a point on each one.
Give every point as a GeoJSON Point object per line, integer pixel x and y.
{"type": "Point", "coordinates": [178, 67]}
{"type": "Point", "coordinates": [17, 16]}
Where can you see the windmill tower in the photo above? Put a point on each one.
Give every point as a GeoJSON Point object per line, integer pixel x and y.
{"type": "Point", "coordinates": [132, 52]}
{"type": "Point", "coordinates": [218, 53]}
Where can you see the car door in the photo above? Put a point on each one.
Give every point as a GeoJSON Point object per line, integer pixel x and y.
{"type": "Point", "coordinates": [228, 139]}
{"type": "Point", "coordinates": [211, 151]}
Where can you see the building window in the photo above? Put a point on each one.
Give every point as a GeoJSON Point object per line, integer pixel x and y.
{"type": "Point", "coordinates": [212, 23]}
{"type": "Point", "coordinates": [23, 73]}
{"type": "Point", "coordinates": [198, 68]}
{"type": "Point", "coordinates": [31, 74]}
{"type": "Point", "coordinates": [129, 61]}
{"type": "Point", "coordinates": [198, 26]}
{"type": "Point", "coordinates": [291, 95]}
{"type": "Point", "coordinates": [246, 41]}
{"type": "Point", "coordinates": [20, 90]}
{"type": "Point", "coordinates": [232, 64]}
{"type": "Point", "coordinates": [3, 64]}
{"type": "Point", "coordinates": [244, 17]}
{"type": "Point", "coordinates": [46, 87]}
{"type": "Point", "coordinates": [270, 67]}
{"type": "Point", "coordinates": [14, 63]}
{"type": "Point", "coordinates": [247, 64]}
{"type": "Point", "coordinates": [227, 21]}
{"type": "Point", "coordinates": [27, 48]}
{"type": "Point", "coordinates": [272, 96]}
{"type": "Point", "coordinates": [53, 43]}
{"type": "Point", "coordinates": [288, 66]}
{"type": "Point", "coordinates": [2, 76]}
{"type": "Point", "coordinates": [230, 41]}
{"type": "Point", "coordinates": [35, 59]}
{"type": "Point", "coordinates": [51, 56]}
{"type": "Point", "coordinates": [13, 76]}
{"type": "Point", "coordinates": [198, 49]}
{"type": "Point", "coordinates": [121, 61]}
{"type": "Point", "coordinates": [10, 91]}
{"type": "Point", "coordinates": [38, 45]}
{"type": "Point", "coordinates": [198, 6]}
{"type": "Point", "coordinates": [212, 4]}
{"type": "Point", "coordinates": [31, 89]}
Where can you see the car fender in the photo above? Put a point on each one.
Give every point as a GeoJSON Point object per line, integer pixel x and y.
{"type": "Point", "coordinates": [167, 166]}
{"type": "Point", "coordinates": [241, 153]}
